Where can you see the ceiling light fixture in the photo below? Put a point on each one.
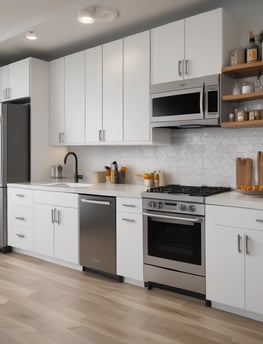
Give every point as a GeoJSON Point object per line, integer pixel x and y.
{"type": "Point", "coordinates": [31, 35]}
{"type": "Point", "coordinates": [89, 15]}
{"type": "Point", "coordinates": [86, 15]}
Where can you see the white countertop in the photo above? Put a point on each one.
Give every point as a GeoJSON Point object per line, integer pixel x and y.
{"type": "Point", "coordinates": [106, 189]}
{"type": "Point", "coordinates": [235, 199]}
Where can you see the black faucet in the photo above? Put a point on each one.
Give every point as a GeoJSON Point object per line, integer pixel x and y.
{"type": "Point", "coordinates": [77, 176]}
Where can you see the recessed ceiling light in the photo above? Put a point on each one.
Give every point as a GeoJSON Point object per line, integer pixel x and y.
{"type": "Point", "coordinates": [86, 16]}
{"type": "Point", "coordinates": [31, 35]}
{"type": "Point", "coordinates": [89, 15]}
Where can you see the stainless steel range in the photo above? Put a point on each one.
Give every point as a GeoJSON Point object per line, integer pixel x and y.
{"type": "Point", "coordinates": [174, 236]}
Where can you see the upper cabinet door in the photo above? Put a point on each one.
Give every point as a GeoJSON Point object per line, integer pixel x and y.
{"type": "Point", "coordinates": [3, 83]}
{"type": "Point", "coordinates": [75, 98]}
{"type": "Point", "coordinates": [57, 100]}
{"type": "Point", "coordinates": [204, 44]}
{"type": "Point", "coordinates": [136, 87]}
{"type": "Point", "coordinates": [167, 52]}
{"type": "Point", "coordinates": [113, 91]}
{"type": "Point", "coordinates": [19, 79]}
{"type": "Point", "coordinates": [93, 94]}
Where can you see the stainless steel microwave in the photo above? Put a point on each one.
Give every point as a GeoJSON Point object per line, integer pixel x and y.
{"type": "Point", "coordinates": [186, 103]}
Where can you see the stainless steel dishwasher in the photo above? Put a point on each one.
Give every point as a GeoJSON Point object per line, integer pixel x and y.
{"type": "Point", "coordinates": [98, 233]}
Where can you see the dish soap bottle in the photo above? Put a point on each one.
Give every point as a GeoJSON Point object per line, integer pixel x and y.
{"type": "Point", "coordinates": [252, 53]}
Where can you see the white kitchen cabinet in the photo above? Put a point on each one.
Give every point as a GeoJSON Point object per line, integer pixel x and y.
{"type": "Point", "coordinates": [57, 100]}
{"type": "Point", "coordinates": [56, 228]}
{"type": "Point", "coordinates": [75, 98]}
{"type": "Point", "coordinates": [136, 102]}
{"type": "Point", "coordinates": [192, 47]}
{"type": "Point", "coordinates": [14, 80]}
{"type": "Point", "coordinates": [113, 91]}
{"type": "Point", "coordinates": [234, 252]}
{"type": "Point", "coordinates": [129, 238]}
{"type": "Point", "coordinates": [94, 94]}
{"type": "Point", "coordinates": [20, 218]}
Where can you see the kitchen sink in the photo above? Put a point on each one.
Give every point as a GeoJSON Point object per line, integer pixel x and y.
{"type": "Point", "coordinates": [68, 185]}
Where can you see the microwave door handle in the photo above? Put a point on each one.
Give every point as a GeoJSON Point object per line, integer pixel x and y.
{"type": "Point", "coordinates": [202, 110]}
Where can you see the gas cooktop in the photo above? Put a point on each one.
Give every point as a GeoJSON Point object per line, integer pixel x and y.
{"type": "Point", "coordinates": [184, 192]}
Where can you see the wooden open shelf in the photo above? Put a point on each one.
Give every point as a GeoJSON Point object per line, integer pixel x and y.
{"type": "Point", "coordinates": [245, 124]}
{"type": "Point", "coordinates": [244, 70]}
{"type": "Point", "coordinates": [242, 97]}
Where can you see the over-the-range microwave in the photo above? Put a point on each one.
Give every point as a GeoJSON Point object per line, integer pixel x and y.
{"type": "Point", "coordinates": [187, 103]}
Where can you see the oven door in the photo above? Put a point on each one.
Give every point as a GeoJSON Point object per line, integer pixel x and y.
{"type": "Point", "coordinates": [174, 241]}
{"type": "Point", "coordinates": [180, 105]}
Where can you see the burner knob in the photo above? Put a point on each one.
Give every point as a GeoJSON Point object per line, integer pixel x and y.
{"type": "Point", "coordinates": [150, 204]}
{"type": "Point", "coordinates": [182, 207]}
{"type": "Point", "coordinates": [160, 205]}
{"type": "Point", "coordinates": [155, 204]}
{"type": "Point", "coordinates": [192, 208]}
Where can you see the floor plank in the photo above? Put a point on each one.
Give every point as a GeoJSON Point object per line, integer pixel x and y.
{"type": "Point", "coordinates": [41, 302]}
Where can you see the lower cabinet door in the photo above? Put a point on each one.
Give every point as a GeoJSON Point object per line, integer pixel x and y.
{"type": "Point", "coordinates": [253, 271]}
{"type": "Point", "coordinates": [66, 235]}
{"type": "Point", "coordinates": [225, 265]}
{"type": "Point", "coordinates": [43, 230]}
{"type": "Point", "coordinates": [129, 246]}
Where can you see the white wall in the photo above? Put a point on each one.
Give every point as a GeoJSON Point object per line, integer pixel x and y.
{"type": "Point", "coordinates": [195, 157]}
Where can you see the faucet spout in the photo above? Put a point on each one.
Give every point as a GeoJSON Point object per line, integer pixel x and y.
{"type": "Point", "coordinates": [77, 176]}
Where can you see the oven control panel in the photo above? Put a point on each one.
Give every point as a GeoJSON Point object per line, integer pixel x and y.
{"type": "Point", "coordinates": [173, 206]}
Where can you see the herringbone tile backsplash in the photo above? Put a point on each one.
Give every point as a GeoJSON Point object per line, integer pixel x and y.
{"type": "Point", "coordinates": [195, 156]}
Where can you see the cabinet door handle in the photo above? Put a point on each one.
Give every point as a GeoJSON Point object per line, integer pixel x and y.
{"type": "Point", "coordinates": [100, 138]}
{"type": "Point", "coordinates": [239, 239]}
{"type": "Point", "coordinates": [246, 243]}
{"type": "Point", "coordinates": [53, 214]}
{"type": "Point", "coordinates": [186, 64]}
{"type": "Point", "coordinates": [259, 220]}
{"type": "Point", "coordinates": [20, 235]}
{"type": "Point", "coordinates": [59, 217]}
{"type": "Point", "coordinates": [127, 219]}
{"type": "Point", "coordinates": [129, 205]}
{"type": "Point", "coordinates": [103, 135]}
{"type": "Point", "coordinates": [21, 218]}
{"type": "Point", "coordinates": [61, 137]}
{"type": "Point", "coordinates": [20, 195]}
{"type": "Point", "coordinates": [180, 67]}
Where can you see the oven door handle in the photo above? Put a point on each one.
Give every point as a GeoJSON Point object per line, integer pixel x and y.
{"type": "Point", "coordinates": [179, 218]}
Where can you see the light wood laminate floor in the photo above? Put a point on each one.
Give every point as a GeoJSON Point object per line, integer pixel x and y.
{"type": "Point", "coordinates": [43, 303]}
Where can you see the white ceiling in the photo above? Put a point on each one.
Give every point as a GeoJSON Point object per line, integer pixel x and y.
{"type": "Point", "coordinates": [59, 32]}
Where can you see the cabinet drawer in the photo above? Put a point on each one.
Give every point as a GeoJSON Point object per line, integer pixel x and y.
{"type": "Point", "coordinates": [61, 199]}
{"type": "Point", "coordinates": [20, 216]}
{"type": "Point", "coordinates": [20, 238]}
{"type": "Point", "coordinates": [234, 217]}
{"type": "Point", "coordinates": [129, 205]}
{"type": "Point", "coordinates": [21, 197]}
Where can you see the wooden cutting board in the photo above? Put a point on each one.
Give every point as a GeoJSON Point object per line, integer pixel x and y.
{"type": "Point", "coordinates": [243, 171]}
{"type": "Point", "coordinates": [260, 168]}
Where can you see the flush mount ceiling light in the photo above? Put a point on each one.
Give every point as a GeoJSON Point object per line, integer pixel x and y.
{"type": "Point", "coordinates": [89, 15]}
{"type": "Point", "coordinates": [31, 35]}
{"type": "Point", "coordinates": [86, 15]}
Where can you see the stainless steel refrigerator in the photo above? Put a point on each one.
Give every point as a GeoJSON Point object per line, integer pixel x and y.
{"type": "Point", "coordinates": [14, 156]}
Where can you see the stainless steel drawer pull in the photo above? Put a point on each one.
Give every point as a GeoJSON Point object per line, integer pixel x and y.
{"type": "Point", "coordinates": [20, 235]}
{"type": "Point", "coordinates": [21, 218]}
{"type": "Point", "coordinates": [127, 220]}
{"type": "Point", "coordinates": [259, 220]}
{"type": "Point", "coordinates": [246, 241]}
{"type": "Point", "coordinates": [83, 200]}
{"type": "Point", "coordinates": [239, 238]}
{"type": "Point", "coordinates": [20, 195]}
{"type": "Point", "coordinates": [129, 205]}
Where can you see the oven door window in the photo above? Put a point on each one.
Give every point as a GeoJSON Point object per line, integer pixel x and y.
{"type": "Point", "coordinates": [175, 241]}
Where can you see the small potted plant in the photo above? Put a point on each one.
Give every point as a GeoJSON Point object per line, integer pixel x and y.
{"type": "Point", "coordinates": [260, 40]}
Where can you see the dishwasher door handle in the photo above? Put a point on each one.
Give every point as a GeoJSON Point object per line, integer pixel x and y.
{"type": "Point", "coordinates": [90, 201]}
